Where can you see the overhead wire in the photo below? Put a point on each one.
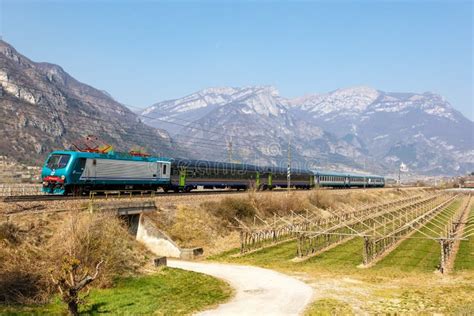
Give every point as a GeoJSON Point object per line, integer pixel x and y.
{"type": "Point", "coordinates": [203, 141]}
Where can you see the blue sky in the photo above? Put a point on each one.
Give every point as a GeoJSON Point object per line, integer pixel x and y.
{"type": "Point", "coordinates": [147, 51]}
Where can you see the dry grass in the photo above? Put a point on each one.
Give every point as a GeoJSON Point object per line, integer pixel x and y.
{"type": "Point", "coordinates": [28, 253]}
{"type": "Point", "coordinates": [10, 233]}
{"type": "Point", "coordinates": [211, 223]}
{"type": "Point", "coordinates": [94, 237]}
{"type": "Point", "coordinates": [194, 227]}
{"type": "Point", "coordinates": [228, 208]}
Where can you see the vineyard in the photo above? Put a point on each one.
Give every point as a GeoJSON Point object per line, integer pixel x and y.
{"type": "Point", "coordinates": [427, 232]}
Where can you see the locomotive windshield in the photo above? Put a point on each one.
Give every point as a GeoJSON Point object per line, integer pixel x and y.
{"type": "Point", "coordinates": [58, 161]}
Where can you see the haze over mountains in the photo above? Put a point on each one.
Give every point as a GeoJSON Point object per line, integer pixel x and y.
{"type": "Point", "coordinates": [43, 108]}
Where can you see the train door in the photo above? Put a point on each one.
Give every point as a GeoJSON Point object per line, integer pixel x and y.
{"type": "Point", "coordinates": [166, 170]}
{"type": "Point", "coordinates": [79, 169]}
{"type": "Point", "coordinates": [182, 177]}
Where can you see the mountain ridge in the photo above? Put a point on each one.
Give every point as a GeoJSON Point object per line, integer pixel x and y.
{"type": "Point", "coordinates": [44, 108]}
{"type": "Point", "coordinates": [356, 124]}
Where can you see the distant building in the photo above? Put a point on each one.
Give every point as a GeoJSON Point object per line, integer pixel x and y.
{"type": "Point", "coordinates": [468, 182]}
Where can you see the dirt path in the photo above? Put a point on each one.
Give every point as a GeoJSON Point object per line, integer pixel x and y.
{"type": "Point", "coordinates": [258, 291]}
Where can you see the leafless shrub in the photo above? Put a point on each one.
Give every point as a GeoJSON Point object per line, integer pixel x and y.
{"type": "Point", "coordinates": [91, 238]}
{"type": "Point", "coordinates": [25, 265]}
{"type": "Point", "coordinates": [71, 280]}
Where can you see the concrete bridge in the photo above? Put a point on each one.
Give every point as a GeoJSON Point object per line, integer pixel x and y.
{"type": "Point", "coordinates": [138, 216]}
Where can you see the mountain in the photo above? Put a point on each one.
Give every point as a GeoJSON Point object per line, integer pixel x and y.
{"type": "Point", "coordinates": [358, 128]}
{"type": "Point", "coordinates": [257, 121]}
{"type": "Point", "coordinates": [43, 108]}
{"type": "Point", "coordinates": [422, 130]}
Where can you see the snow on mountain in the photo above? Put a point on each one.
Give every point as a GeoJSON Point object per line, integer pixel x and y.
{"type": "Point", "coordinates": [354, 99]}
{"type": "Point", "coordinates": [261, 100]}
{"type": "Point", "coordinates": [348, 127]}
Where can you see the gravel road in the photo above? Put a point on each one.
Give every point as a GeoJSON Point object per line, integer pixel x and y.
{"type": "Point", "coordinates": [258, 291]}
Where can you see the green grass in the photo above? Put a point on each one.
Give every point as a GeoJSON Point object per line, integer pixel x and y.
{"type": "Point", "coordinates": [169, 292]}
{"type": "Point", "coordinates": [419, 254]}
{"type": "Point", "coordinates": [340, 258]}
{"type": "Point", "coordinates": [412, 255]}
{"type": "Point", "coordinates": [328, 307]}
{"type": "Point", "coordinates": [465, 255]}
{"type": "Point", "coordinates": [387, 287]}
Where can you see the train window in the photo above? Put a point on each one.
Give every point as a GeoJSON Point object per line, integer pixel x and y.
{"type": "Point", "coordinates": [58, 161]}
{"type": "Point", "coordinates": [164, 170]}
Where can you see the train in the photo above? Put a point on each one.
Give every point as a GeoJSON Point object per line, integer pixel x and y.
{"type": "Point", "coordinates": [74, 172]}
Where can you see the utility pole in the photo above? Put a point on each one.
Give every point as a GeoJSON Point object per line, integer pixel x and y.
{"type": "Point", "coordinates": [399, 183]}
{"type": "Point", "coordinates": [229, 150]}
{"type": "Point", "coordinates": [288, 172]}
{"type": "Point", "coordinates": [365, 162]}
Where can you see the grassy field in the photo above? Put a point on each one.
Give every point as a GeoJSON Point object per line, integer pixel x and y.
{"type": "Point", "coordinates": [465, 256]}
{"type": "Point", "coordinates": [419, 254]}
{"type": "Point", "coordinates": [168, 292]}
{"type": "Point", "coordinates": [328, 307]}
{"type": "Point", "coordinates": [410, 255]}
{"type": "Point", "coordinates": [403, 282]}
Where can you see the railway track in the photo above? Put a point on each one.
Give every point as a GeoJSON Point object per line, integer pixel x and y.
{"type": "Point", "coordinates": [39, 197]}
{"type": "Point", "coordinates": [35, 198]}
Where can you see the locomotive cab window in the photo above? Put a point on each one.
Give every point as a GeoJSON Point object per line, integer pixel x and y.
{"type": "Point", "coordinates": [164, 169]}
{"type": "Point", "coordinates": [58, 161]}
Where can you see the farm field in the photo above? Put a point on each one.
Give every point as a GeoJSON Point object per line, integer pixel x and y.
{"type": "Point", "coordinates": [465, 258]}
{"type": "Point", "coordinates": [405, 281]}
{"type": "Point", "coordinates": [340, 285]}
{"type": "Point", "coordinates": [417, 253]}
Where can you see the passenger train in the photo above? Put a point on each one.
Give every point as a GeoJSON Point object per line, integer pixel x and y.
{"type": "Point", "coordinates": [75, 172]}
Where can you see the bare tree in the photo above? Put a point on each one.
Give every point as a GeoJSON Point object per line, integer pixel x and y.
{"type": "Point", "coordinates": [71, 280]}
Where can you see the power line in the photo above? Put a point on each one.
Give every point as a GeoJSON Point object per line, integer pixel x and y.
{"type": "Point", "coordinates": [131, 112]}
{"type": "Point", "coordinates": [123, 112]}
{"type": "Point", "coordinates": [148, 117]}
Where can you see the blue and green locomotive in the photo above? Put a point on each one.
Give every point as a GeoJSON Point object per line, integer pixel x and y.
{"type": "Point", "coordinates": [79, 172]}
{"type": "Point", "coordinates": [74, 172]}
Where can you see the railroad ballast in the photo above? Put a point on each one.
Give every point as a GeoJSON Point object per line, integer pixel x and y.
{"type": "Point", "coordinates": [76, 172]}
